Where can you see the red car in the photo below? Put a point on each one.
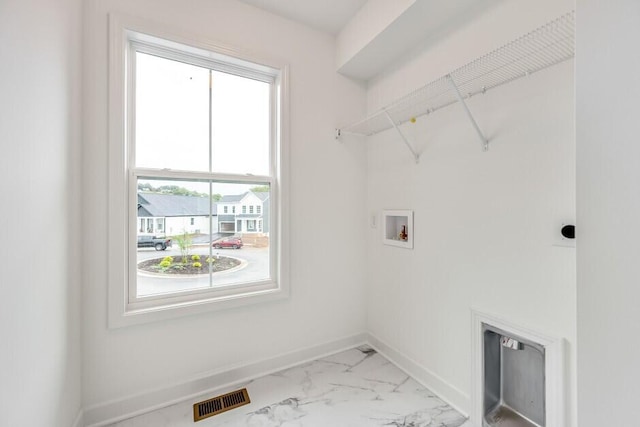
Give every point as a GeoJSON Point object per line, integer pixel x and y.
{"type": "Point", "coordinates": [228, 242]}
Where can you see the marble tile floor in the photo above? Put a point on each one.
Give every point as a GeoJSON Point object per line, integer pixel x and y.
{"type": "Point", "coordinates": [354, 388]}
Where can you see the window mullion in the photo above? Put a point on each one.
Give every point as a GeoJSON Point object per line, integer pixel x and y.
{"type": "Point", "coordinates": [210, 121]}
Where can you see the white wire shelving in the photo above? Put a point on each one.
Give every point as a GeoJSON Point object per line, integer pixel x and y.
{"type": "Point", "coordinates": [543, 47]}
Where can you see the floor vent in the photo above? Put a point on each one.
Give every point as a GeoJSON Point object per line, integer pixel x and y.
{"type": "Point", "coordinates": [220, 404]}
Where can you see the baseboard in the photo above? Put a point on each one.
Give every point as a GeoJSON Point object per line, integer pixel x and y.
{"type": "Point", "coordinates": [459, 400]}
{"type": "Point", "coordinates": [79, 421]}
{"type": "Point", "coordinates": [117, 410]}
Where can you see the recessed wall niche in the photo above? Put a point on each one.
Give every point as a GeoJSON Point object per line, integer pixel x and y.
{"type": "Point", "coordinates": [397, 227]}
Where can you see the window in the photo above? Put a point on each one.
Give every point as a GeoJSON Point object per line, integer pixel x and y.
{"type": "Point", "coordinates": [233, 209]}
{"type": "Point", "coordinates": [258, 209]}
{"type": "Point", "coordinates": [182, 114]}
{"type": "Point", "coordinates": [244, 209]}
{"type": "Point", "coordinates": [251, 209]}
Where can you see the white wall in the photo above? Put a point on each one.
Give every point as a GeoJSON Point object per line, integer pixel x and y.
{"type": "Point", "coordinates": [608, 205]}
{"type": "Point", "coordinates": [372, 18]}
{"type": "Point", "coordinates": [485, 223]}
{"type": "Point", "coordinates": [39, 221]}
{"type": "Point", "coordinates": [327, 286]}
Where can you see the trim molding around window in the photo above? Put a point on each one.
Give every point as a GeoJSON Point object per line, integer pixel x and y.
{"type": "Point", "coordinates": [123, 309]}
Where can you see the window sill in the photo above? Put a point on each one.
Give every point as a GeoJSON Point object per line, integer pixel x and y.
{"type": "Point", "coordinates": [127, 315]}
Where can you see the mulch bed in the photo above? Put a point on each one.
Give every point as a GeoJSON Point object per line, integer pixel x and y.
{"type": "Point", "coordinates": [177, 267]}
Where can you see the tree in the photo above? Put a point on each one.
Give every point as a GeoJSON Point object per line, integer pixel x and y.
{"type": "Point", "coordinates": [185, 244]}
{"type": "Point", "coordinates": [170, 189]}
{"type": "Point", "coordinates": [260, 189]}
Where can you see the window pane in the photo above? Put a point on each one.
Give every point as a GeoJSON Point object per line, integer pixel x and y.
{"type": "Point", "coordinates": [240, 122]}
{"type": "Point", "coordinates": [200, 244]}
{"type": "Point", "coordinates": [172, 114]}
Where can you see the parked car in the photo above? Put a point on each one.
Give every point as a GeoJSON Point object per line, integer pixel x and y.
{"type": "Point", "coordinates": [228, 242]}
{"type": "Point", "coordinates": [160, 243]}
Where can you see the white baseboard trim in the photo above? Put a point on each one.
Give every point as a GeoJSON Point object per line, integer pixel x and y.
{"type": "Point", "coordinates": [120, 409]}
{"type": "Point", "coordinates": [79, 421]}
{"type": "Point", "coordinates": [456, 398]}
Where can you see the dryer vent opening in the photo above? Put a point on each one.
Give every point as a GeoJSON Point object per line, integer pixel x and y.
{"type": "Point", "coordinates": [514, 380]}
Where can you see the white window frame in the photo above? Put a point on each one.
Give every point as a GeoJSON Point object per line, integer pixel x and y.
{"type": "Point", "coordinates": [122, 217]}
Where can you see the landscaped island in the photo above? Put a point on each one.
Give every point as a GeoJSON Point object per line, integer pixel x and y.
{"type": "Point", "coordinates": [188, 265]}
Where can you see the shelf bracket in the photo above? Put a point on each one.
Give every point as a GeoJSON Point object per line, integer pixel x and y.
{"type": "Point", "coordinates": [416, 156]}
{"type": "Point", "coordinates": [485, 141]}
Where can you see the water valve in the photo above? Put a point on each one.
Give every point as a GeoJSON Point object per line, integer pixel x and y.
{"type": "Point", "coordinates": [511, 343]}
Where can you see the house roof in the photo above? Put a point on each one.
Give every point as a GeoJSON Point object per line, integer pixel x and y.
{"type": "Point", "coordinates": [262, 195]}
{"type": "Point", "coordinates": [162, 205]}
{"type": "Point", "coordinates": [232, 198]}
{"type": "Point", "coordinates": [235, 198]}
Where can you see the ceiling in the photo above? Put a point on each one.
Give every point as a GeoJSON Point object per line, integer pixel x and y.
{"type": "Point", "coordinates": [393, 27]}
{"type": "Point", "coordinates": [325, 15]}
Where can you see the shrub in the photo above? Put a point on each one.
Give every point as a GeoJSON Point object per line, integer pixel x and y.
{"type": "Point", "coordinates": [195, 257]}
{"type": "Point", "coordinates": [168, 258]}
{"type": "Point", "coordinates": [165, 263]}
{"type": "Point", "coordinates": [210, 260]}
{"type": "Point", "coordinates": [197, 264]}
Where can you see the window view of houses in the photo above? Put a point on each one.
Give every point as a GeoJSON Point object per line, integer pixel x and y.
{"type": "Point", "coordinates": [199, 131]}
{"type": "Point", "coordinates": [167, 214]}
{"type": "Point", "coordinates": [187, 230]}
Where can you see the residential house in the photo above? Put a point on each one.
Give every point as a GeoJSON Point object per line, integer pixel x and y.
{"type": "Point", "coordinates": [244, 213]}
{"type": "Point", "coordinates": [170, 214]}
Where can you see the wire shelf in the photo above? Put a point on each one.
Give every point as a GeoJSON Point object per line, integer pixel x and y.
{"type": "Point", "coordinates": [548, 45]}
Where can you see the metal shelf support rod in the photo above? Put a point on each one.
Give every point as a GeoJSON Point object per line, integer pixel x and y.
{"type": "Point", "coordinates": [416, 157]}
{"type": "Point", "coordinates": [485, 141]}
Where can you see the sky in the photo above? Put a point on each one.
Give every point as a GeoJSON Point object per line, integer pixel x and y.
{"type": "Point", "coordinates": [172, 122]}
